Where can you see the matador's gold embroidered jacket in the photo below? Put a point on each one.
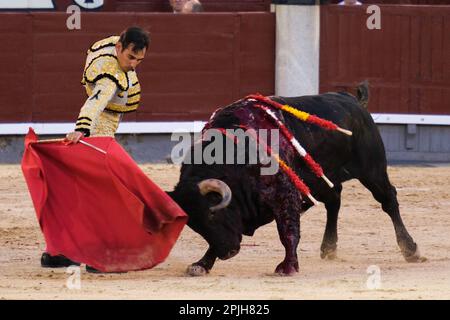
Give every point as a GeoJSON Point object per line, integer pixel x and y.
{"type": "Point", "coordinates": [111, 91]}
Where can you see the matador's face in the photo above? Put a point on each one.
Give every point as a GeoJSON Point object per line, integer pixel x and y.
{"type": "Point", "coordinates": [129, 59]}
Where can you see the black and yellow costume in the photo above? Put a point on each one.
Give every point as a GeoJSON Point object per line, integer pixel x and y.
{"type": "Point", "coordinates": [111, 91]}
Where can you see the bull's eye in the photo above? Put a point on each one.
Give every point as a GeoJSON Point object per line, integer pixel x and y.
{"type": "Point", "coordinates": [213, 198]}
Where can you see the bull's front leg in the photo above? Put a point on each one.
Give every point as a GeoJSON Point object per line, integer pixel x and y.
{"type": "Point", "coordinates": [202, 267]}
{"type": "Point", "coordinates": [288, 224]}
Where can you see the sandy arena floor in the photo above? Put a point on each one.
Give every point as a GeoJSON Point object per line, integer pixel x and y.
{"type": "Point", "coordinates": [366, 238]}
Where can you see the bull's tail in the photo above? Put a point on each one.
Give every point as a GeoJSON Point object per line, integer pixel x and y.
{"type": "Point", "coordinates": [363, 93]}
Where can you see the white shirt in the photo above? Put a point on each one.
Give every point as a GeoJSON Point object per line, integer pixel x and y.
{"type": "Point", "coordinates": [357, 3]}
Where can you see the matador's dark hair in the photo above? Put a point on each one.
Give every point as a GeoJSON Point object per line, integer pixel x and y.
{"type": "Point", "coordinates": [137, 36]}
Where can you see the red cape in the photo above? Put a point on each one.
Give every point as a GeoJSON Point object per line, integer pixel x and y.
{"type": "Point", "coordinates": [99, 209]}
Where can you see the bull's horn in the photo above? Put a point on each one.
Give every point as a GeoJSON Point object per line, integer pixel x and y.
{"type": "Point", "coordinates": [209, 185]}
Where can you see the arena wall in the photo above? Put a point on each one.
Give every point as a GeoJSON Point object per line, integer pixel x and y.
{"type": "Point", "coordinates": [406, 61]}
{"type": "Point", "coordinates": [407, 65]}
{"type": "Point", "coordinates": [195, 64]}
{"type": "Point", "coordinates": [200, 62]}
{"type": "Point", "coordinates": [162, 5]}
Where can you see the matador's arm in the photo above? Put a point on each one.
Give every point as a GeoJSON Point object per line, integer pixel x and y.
{"type": "Point", "coordinates": [102, 93]}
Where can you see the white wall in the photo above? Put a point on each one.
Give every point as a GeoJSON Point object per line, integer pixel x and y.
{"type": "Point", "coordinates": [297, 49]}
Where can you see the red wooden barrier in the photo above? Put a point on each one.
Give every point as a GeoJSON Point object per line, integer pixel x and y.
{"type": "Point", "coordinates": [407, 61]}
{"type": "Point", "coordinates": [195, 63]}
{"type": "Point", "coordinates": [400, 2]}
{"type": "Point", "coordinates": [163, 5]}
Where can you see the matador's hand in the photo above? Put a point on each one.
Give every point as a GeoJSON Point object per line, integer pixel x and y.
{"type": "Point", "coordinates": [73, 137]}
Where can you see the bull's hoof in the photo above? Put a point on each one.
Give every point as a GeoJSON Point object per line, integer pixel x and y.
{"type": "Point", "coordinates": [328, 254]}
{"type": "Point", "coordinates": [195, 270]}
{"type": "Point", "coordinates": [415, 257]}
{"type": "Point", "coordinates": [287, 269]}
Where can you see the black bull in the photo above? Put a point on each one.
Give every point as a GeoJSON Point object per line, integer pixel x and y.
{"type": "Point", "coordinates": [226, 201]}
